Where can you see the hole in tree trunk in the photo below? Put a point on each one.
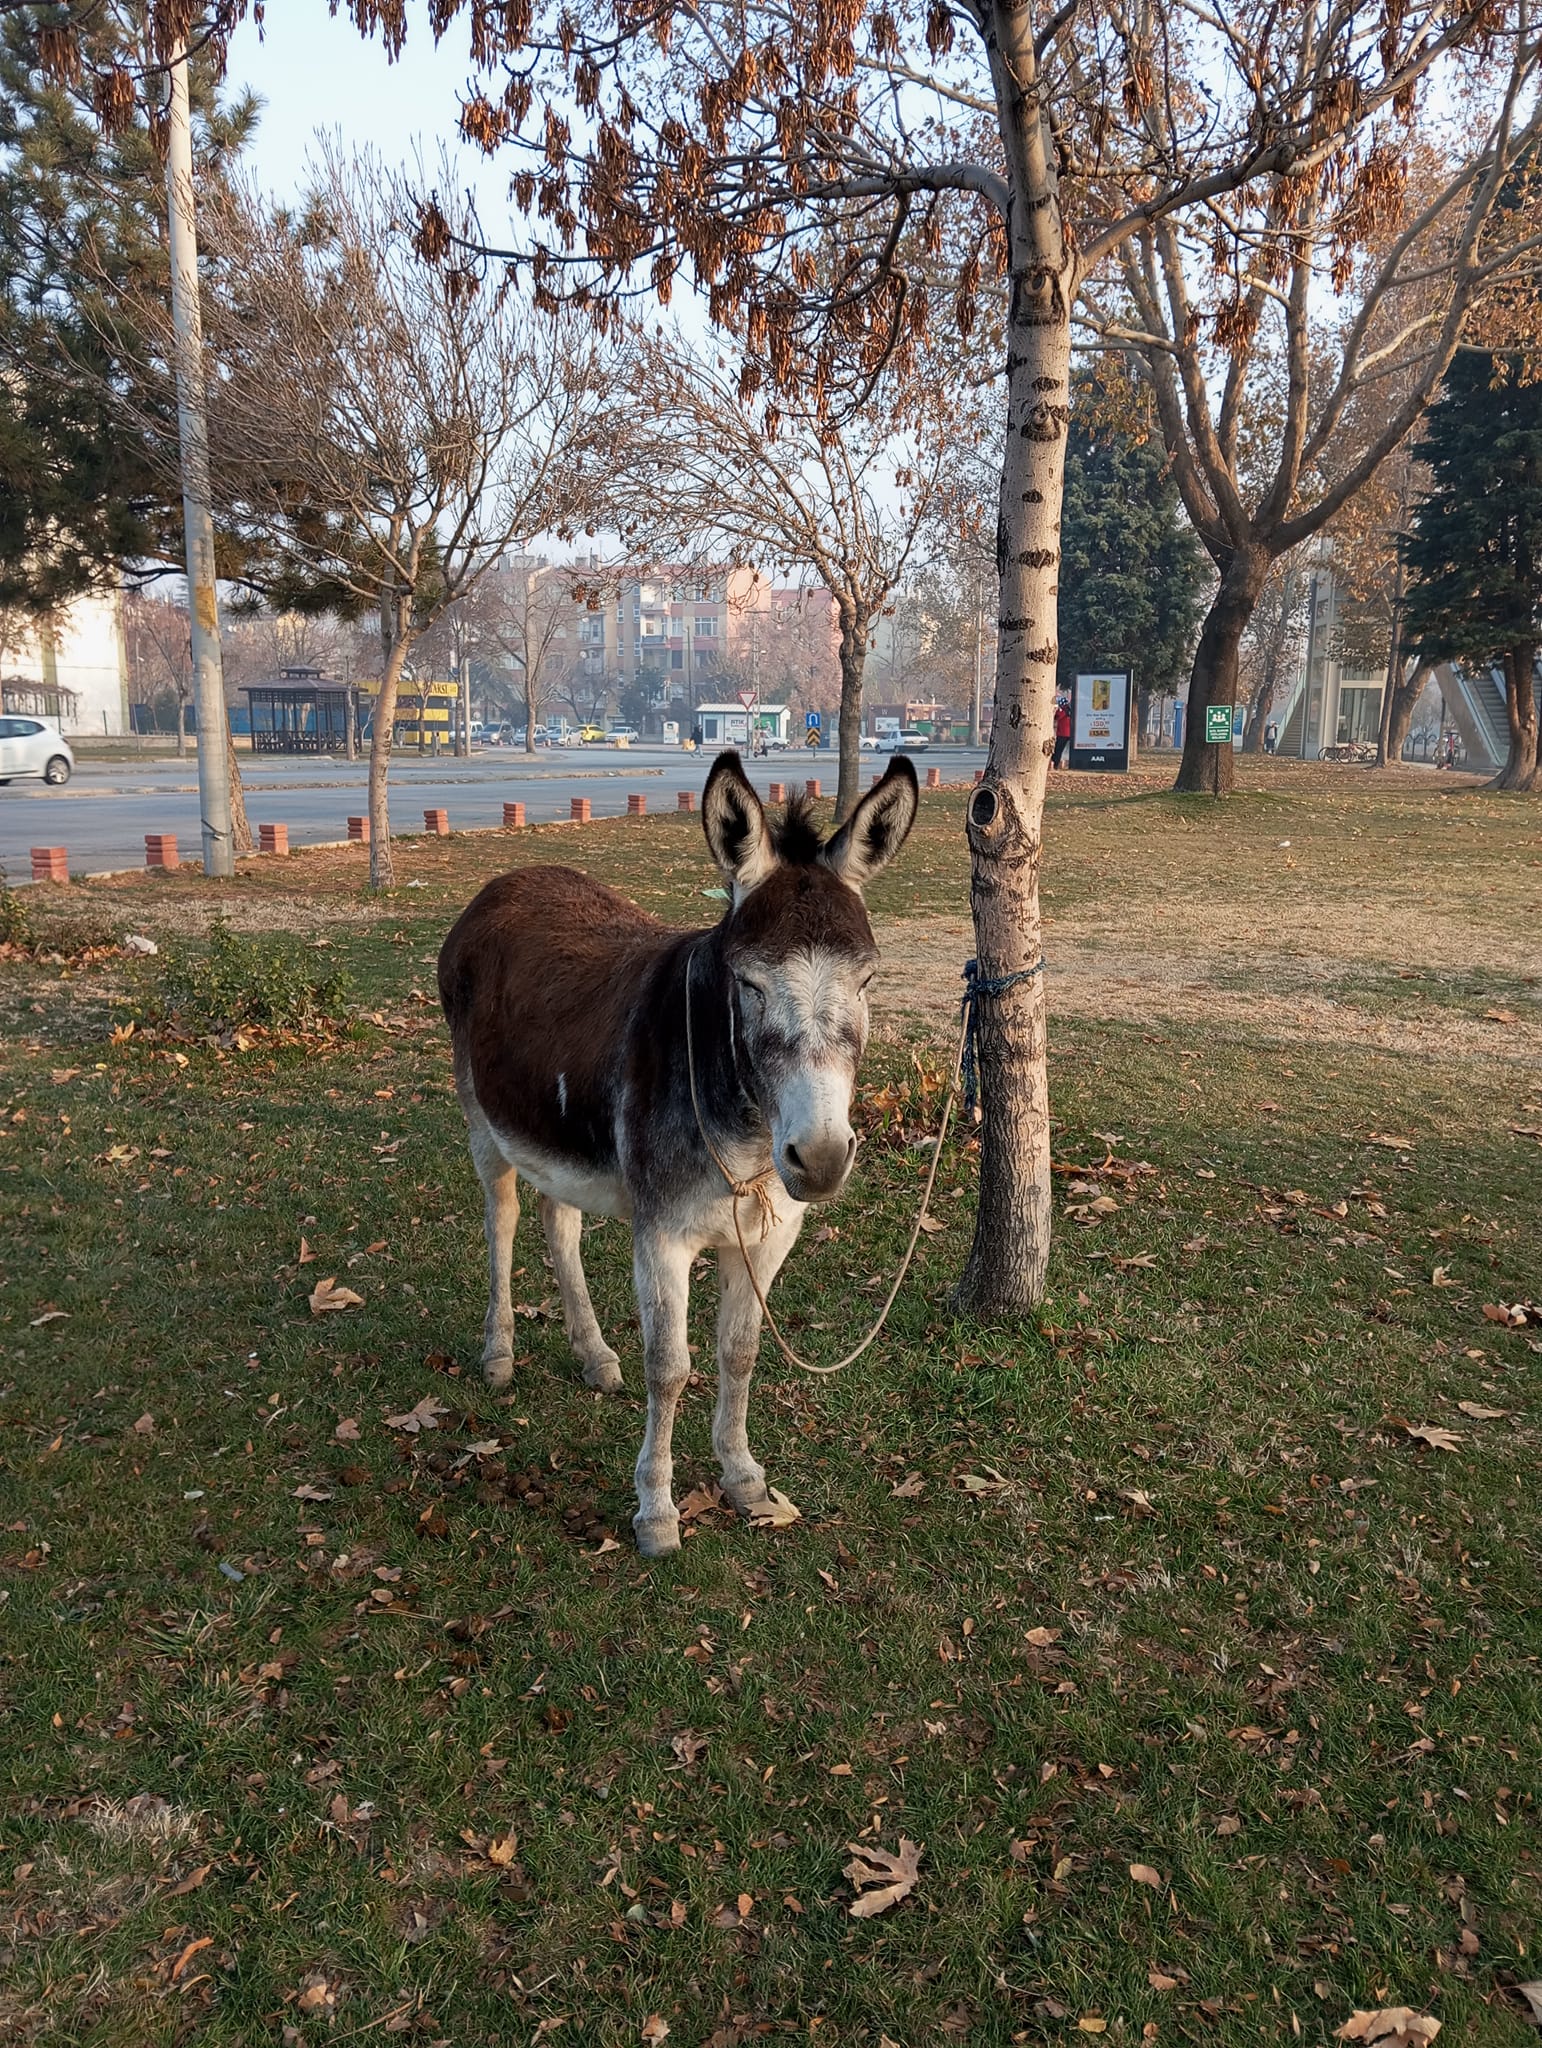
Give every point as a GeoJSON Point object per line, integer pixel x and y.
{"type": "Point", "coordinates": [983, 807]}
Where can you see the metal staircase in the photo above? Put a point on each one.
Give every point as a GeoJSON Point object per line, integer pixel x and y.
{"type": "Point", "coordinates": [1475, 705]}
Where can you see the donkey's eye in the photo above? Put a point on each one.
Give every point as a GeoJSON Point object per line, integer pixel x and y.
{"type": "Point", "coordinates": [750, 988]}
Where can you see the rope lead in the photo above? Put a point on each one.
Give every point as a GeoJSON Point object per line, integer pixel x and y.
{"type": "Point", "coordinates": [976, 985]}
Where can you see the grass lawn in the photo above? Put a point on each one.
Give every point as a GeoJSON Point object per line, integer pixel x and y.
{"type": "Point", "coordinates": [1206, 1683]}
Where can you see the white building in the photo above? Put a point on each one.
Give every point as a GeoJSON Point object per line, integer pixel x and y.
{"type": "Point", "coordinates": [726, 725]}
{"type": "Point", "coordinates": [71, 670]}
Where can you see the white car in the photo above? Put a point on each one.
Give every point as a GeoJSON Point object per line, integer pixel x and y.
{"type": "Point", "coordinates": [28, 747]}
{"type": "Point", "coordinates": [911, 741]}
{"type": "Point", "coordinates": [867, 744]}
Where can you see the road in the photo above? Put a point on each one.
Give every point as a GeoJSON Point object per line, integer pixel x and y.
{"type": "Point", "coordinates": [102, 815]}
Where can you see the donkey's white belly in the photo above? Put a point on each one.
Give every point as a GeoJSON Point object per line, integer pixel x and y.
{"type": "Point", "coordinates": [597, 1194]}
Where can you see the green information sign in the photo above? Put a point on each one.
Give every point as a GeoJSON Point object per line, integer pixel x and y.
{"type": "Point", "coordinates": [1217, 725]}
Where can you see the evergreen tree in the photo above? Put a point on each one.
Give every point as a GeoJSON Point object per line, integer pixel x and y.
{"type": "Point", "coordinates": [82, 205]}
{"type": "Point", "coordinates": [1132, 574]}
{"type": "Point", "coordinates": [1474, 556]}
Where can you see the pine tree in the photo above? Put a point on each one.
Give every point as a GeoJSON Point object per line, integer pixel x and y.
{"type": "Point", "coordinates": [1131, 571]}
{"type": "Point", "coordinates": [1474, 557]}
{"type": "Point", "coordinates": [82, 207]}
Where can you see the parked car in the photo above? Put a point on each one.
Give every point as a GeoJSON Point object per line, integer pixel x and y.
{"type": "Point", "coordinates": [583, 736]}
{"type": "Point", "coordinates": [868, 743]}
{"type": "Point", "coordinates": [911, 741]}
{"type": "Point", "coordinates": [623, 732]}
{"type": "Point", "coordinates": [28, 748]}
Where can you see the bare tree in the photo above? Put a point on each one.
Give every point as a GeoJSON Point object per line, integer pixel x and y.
{"type": "Point", "coordinates": [1271, 644]}
{"type": "Point", "coordinates": [160, 655]}
{"type": "Point", "coordinates": [529, 612]}
{"type": "Point", "coordinates": [845, 501]}
{"type": "Point", "coordinates": [388, 428]}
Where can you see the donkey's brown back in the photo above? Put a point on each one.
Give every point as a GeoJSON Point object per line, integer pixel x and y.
{"type": "Point", "coordinates": [537, 979]}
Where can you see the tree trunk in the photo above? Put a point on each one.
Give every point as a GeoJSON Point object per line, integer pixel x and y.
{"type": "Point", "coordinates": [1010, 1253]}
{"type": "Point", "coordinates": [1206, 769]}
{"type": "Point", "coordinates": [181, 728]}
{"type": "Point", "coordinates": [240, 830]}
{"type": "Point", "coordinates": [531, 700]}
{"type": "Point", "coordinates": [1405, 695]}
{"type": "Point", "coordinates": [1520, 770]}
{"type": "Point", "coordinates": [1384, 754]}
{"type": "Point", "coordinates": [382, 869]}
{"type": "Point", "coordinates": [1258, 714]}
{"type": "Point", "coordinates": [848, 785]}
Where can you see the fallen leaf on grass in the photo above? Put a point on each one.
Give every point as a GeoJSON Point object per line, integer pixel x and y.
{"type": "Point", "coordinates": [1159, 1979]}
{"type": "Point", "coordinates": [1500, 1017]}
{"type": "Point", "coordinates": [502, 1849]}
{"type": "Point", "coordinates": [424, 1416]}
{"type": "Point", "coordinates": [49, 1315]}
{"type": "Point", "coordinates": [1392, 1144]}
{"type": "Point", "coordinates": [326, 1296]}
{"type": "Point", "coordinates": [191, 1882]}
{"type": "Point", "coordinates": [309, 1492]}
{"type": "Point", "coordinates": [932, 1225]}
{"type": "Point", "coordinates": [1139, 1500]}
{"type": "Point", "coordinates": [701, 1500]}
{"type": "Point", "coordinates": [1511, 1315]}
{"type": "Point", "coordinates": [1395, 2026]}
{"type": "Point", "coordinates": [204, 1941]}
{"type": "Point", "coordinates": [1092, 2023]}
{"type": "Point", "coordinates": [973, 1482]}
{"type": "Point", "coordinates": [1041, 1637]}
{"type": "Point", "coordinates": [776, 1511]}
{"type": "Point", "coordinates": [879, 1879]}
{"type": "Point", "coordinates": [1479, 1413]}
{"type": "Point", "coordinates": [1428, 1433]}
{"type": "Point", "coordinates": [1532, 1993]}
{"type": "Point", "coordinates": [316, 1994]}
{"type": "Point", "coordinates": [347, 1431]}
{"type": "Point", "coordinates": [1144, 1874]}
{"type": "Point", "coordinates": [688, 1746]}
{"type": "Point", "coordinates": [306, 1254]}
{"type": "Point", "coordinates": [655, 2028]}
{"type": "Point", "coordinates": [1228, 1824]}
{"type": "Point", "coordinates": [1441, 1277]}
{"type": "Point", "coordinates": [145, 1426]}
{"type": "Point", "coordinates": [911, 1487]}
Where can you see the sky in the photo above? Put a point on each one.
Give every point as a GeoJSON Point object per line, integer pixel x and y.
{"type": "Point", "coordinates": [315, 72]}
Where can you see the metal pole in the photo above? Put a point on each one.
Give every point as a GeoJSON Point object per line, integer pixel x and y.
{"type": "Point", "coordinates": [465, 707]}
{"type": "Point", "coordinates": [197, 518]}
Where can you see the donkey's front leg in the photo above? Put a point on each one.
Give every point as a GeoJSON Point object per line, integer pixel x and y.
{"type": "Point", "coordinates": [738, 1345]}
{"type": "Point", "coordinates": [662, 1269]}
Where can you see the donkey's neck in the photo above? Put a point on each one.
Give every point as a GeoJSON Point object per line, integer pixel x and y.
{"type": "Point", "coordinates": [715, 1045]}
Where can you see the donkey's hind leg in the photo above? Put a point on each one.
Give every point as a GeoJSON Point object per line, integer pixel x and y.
{"type": "Point", "coordinates": [500, 1211]}
{"type": "Point", "coordinates": [564, 1229]}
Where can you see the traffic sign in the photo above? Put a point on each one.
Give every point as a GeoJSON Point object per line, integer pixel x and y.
{"type": "Point", "coordinates": [813, 720]}
{"type": "Point", "coordinates": [1217, 725]}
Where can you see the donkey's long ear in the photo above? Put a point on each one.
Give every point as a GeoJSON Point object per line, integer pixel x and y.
{"type": "Point", "coordinates": [735, 826]}
{"type": "Point", "coordinates": [877, 828]}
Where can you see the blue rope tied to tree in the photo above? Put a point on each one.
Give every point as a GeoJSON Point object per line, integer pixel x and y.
{"type": "Point", "coordinates": [977, 985]}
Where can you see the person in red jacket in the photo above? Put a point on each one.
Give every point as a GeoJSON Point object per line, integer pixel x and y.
{"type": "Point", "coordinates": [1062, 730]}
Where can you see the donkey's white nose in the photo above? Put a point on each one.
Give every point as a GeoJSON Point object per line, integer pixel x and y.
{"type": "Point", "coordinates": [814, 1168]}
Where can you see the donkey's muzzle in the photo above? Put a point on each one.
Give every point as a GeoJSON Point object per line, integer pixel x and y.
{"type": "Point", "coordinates": [815, 1169]}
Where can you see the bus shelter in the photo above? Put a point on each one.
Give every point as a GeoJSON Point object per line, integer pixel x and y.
{"type": "Point", "coordinates": [302, 711]}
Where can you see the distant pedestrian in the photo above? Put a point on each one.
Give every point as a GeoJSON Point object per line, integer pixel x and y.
{"type": "Point", "coordinates": [1062, 730]}
{"type": "Point", "coordinates": [1451, 750]}
{"type": "Point", "coordinates": [1271, 737]}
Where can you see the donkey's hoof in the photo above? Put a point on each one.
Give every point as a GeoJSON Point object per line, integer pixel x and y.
{"type": "Point", "coordinates": [746, 1494]}
{"type": "Point", "coordinates": [498, 1371]}
{"type": "Point", "coordinates": [657, 1536]}
{"type": "Point", "coordinates": [603, 1373]}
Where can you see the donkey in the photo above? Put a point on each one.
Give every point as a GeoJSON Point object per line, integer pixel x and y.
{"type": "Point", "coordinates": [628, 1070]}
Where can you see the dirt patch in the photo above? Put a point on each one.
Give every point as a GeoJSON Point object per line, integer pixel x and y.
{"type": "Point", "coordinates": [1282, 999]}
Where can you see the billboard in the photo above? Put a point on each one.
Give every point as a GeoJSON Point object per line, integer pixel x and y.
{"type": "Point", "coordinates": [1100, 720]}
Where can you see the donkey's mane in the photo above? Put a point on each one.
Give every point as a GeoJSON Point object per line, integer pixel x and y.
{"type": "Point", "coordinates": [795, 834]}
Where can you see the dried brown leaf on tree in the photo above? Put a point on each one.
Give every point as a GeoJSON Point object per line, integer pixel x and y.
{"type": "Point", "coordinates": [1390, 2026]}
{"type": "Point", "coordinates": [879, 1879]}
